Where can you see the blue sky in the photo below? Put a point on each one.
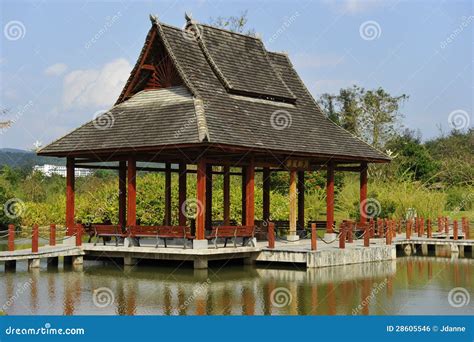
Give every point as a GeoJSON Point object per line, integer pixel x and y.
{"type": "Point", "coordinates": [62, 62]}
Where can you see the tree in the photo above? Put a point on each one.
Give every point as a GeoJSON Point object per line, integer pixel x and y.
{"type": "Point", "coordinates": [233, 23]}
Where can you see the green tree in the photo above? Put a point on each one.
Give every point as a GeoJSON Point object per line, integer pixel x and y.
{"type": "Point", "coordinates": [233, 23]}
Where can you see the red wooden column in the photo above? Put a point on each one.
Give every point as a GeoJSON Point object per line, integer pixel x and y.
{"type": "Point", "coordinates": [201, 200]}
{"type": "Point", "coordinates": [167, 218]}
{"type": "Point", "coordinates": [182, 184]}
{"type": "Point", "coordinates": [122, 213]}
{"type": "Point", "coordinates": [226, 195]}
{"type": "Point", "coordinates": [70, 196]}
{"type": "Point", "coordinates": [330, 198]}
{"type": "Point", "coordinates": [266, 194]}
{"type": "Point", "coordinates": [208, 216]}
{"type": "Point", "coordinates": [250, 192]}
{"type": "Point", "coordinates": [363, 192]}
{"type": "Point", "coordinates": [132, 192]}
{"type": "Point", "coordinates": [34, 239]}
{"type": "Point", "coordinates": [244, 195]}
{"type": "Point", "coordinates": [301, 189]}
{"type": "Point", "coordinates": [293, 208]}
{"type": "Point", "coordinates": [11, 237]}
{"type": "Point", "coordinates": [52, 235]}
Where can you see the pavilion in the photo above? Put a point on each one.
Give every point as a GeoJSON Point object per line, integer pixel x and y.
{"type": "Point", "coordinates": [209, 97]}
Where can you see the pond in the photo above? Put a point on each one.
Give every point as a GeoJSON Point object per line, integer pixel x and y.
{"type": "Point", "coordinates": [407, 286]}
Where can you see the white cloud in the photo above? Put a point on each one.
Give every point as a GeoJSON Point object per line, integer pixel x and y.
{"type": "Point", "coordinates": [305, 60]}
{"type": "Point", "coordinates": [56, 69]}
{"type": "Point", "coordinates": [92, 87]}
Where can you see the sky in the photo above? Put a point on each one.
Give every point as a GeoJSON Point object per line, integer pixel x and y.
{"type": "Point", "coordinates": [64, 62]}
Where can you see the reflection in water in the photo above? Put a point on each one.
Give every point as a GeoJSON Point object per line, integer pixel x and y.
{"type": "Point", "coordinates": [411, 285]}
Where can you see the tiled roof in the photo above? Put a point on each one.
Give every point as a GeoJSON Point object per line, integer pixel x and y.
{"type": "Point", "coordinates": [234, 93]}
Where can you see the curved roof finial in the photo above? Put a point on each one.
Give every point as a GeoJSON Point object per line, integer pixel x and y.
{"type": "Point", "coordinates": [153, 18]}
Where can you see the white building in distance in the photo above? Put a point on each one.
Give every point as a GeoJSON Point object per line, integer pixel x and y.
{"type": "Point", "coordinates": [49, 170]}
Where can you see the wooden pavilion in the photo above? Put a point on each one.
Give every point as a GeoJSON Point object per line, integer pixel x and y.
{"type": "Point", "coordinates": [209, 97]}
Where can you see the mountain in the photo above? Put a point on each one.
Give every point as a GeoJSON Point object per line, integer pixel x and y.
{"type": "Point", "coordinates": [25, 159]}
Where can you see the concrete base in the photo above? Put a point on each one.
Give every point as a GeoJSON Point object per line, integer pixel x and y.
{"type": "Point", "coordinates": [10, 266]}
{"type": "Point", "coordinates": [130, 242]}
{"type": "Point", "coordinates": [33, 263]}
{"type": "Point", "coordinates": [328, 237]}
{"type": "Point", "coordinates": [200, 244]}
{"type": "Point", "coordinates": [348, 256]}
{"type": "Point", "coordinates": [129, 261]}
{"type": "Point", "coordinates": [424, 249]}
{"type": "Point", "coordinates": [200, 263]}
{"type": "Point", "coordinates": [77, 260]}
{"type": "Point", "coordinates": [292, 237]}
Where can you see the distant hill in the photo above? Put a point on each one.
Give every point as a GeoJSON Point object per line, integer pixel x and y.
{"type": "Point", "coordinates": [25, 159]}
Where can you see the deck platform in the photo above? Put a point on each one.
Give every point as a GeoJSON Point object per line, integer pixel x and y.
{"type": "Point", "coordinates": [297, 253]}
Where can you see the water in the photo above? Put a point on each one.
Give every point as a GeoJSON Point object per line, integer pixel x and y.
{"type": "Point", "coordinates": [409, 285]}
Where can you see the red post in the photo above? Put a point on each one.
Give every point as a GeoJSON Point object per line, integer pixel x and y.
{"type": "Point", "coordinates": [388, 235]}
{"type": "Point", "coordinates": [70, 180]}
{"type": "Point", "coordinates": [11, 237]}
{"type": "Point", "coordinates": [301, 189]}
{"type": "Point", "coordinates": [367, 234]}
{"type": "Point", "coordinates": [350, 229]}
{"type": "Point", "coordinates": [266, 194]}
{"type": "Point", "coordinates": [78, 235]}
{"type": "Point", "coordinates": [34, 240]}
{"type": "Point", "coordinates": [167, 218]}
{"type": "Point", "coordinates": [52, 235]}
{"type": "Point", "coordinates": [330, 197]}
{"type": "Point", "coordinates": [342, 236]}
{"type": "Point", "coordinates": [429, 233]}
{"type": "Point", "coordinates": [201, 200]}
{"type": "Point", "coordinates": [440, 224]}
{"type": "Point", "coordinates": [446, 225]}
{"type": "Point", "coordinates": [399, 226]}
{"type": "Point", "coordinates": [132, 192]}
{"type": "Point", "coordinates": [271, 235]}
{"type": "Point", "coordinates": [182, 184]}
{"type": "Point", "coordinates": [380, 228]}
{"type": "Point", "coordinates": [122, 209]}
{"type": "Point", "coordinates": [313, 237]}
{"type": "Point", "coordinates": [208, 202]}
{"type": "Point", "coordinates": [408, 229]}
{"type": "Point", "coordinates": [455, 229]}
{"type": "Point", "coordinates": [250, 191]}
{"type": "Point", "coordinates": [363, 193]}
{"type": "Point", "coordinates": [226, 190]}
{"type": "Point", "coordinates": [372, 228]}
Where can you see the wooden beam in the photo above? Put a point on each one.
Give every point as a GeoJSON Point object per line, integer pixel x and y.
{"type": "Point", "coordinates": [182, 184]}
{"type": "Point", "coordinates": [226, 196]}
{"type": "Point", "coordinates": [266, 194]}
{"type": "Point", "coordinates": [70, 183]}
{"type": "Point", "coordinates": [244, 196]}
{"type": "Point", "coordinates": [363, 193]}
{"type": "Point", "coordinates": [132, 192]}
{"type": "Point", "coordinates": [201, 200]}
{"type": "Point", "coordinates": [250, 195]}
{"type": "Point", "coordinates": [293, 198]}
{"type": "Point", "coordinates": [167, 218]}
{"type": "Point", "coordinates": [122, 194]}
{"type": "Point", "coordinates": [208, 197]}
{"type": "Point", "coordinates": [301, 189]}
{"type": "Point", "coordinates": [330, 197]}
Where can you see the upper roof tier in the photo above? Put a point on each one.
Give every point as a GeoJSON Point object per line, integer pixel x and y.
{"type": "Point", "coordinates": [204, 86]}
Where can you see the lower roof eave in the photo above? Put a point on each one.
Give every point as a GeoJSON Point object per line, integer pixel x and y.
{"type": "Point", "coordinates": [111, 152]}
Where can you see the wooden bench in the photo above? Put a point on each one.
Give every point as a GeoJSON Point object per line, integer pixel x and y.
{"type": "Point", "coordinates": [160, 232]}
{"type": "Point", "coordinates": [105, 231]}
{"type": "Point", "coordinates": [231, 232]}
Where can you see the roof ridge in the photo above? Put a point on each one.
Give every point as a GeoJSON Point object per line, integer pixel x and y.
{"type": "Point", "coordinates": [324, 116]}
{"type": "Point", "coordinates": [229, 31]}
